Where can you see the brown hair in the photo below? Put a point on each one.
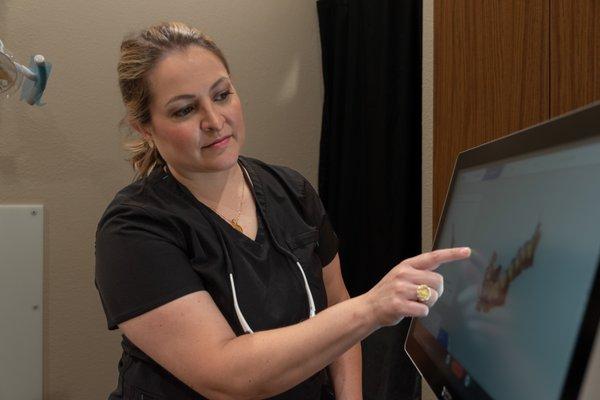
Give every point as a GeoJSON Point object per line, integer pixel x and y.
{"type": "Point", "coordinates": [139, 55]}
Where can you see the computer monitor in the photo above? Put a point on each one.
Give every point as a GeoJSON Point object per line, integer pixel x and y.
{"type": "Point", "coordinates": [517, 320]}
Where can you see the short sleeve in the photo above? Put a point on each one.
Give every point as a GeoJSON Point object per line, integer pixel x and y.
{"type": "Point", "coordinates": [139, 264]}
{"type": "Point", "coordinates": [314, 210]}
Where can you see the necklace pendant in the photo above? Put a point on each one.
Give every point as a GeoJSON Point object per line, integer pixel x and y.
{"type": "Point", "coordinates": [236, 226]}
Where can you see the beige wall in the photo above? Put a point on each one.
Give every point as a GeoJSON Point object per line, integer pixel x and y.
{"type": "Point", "coordinates": [427, 141]}
{"type": "Point", "coordinates": [66, 155]}
{"type": "Point", "coordinates": [427, 126]}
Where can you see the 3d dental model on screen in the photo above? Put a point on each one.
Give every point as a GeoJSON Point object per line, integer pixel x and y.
{"type": "Point", "coordinates": [497, 281]}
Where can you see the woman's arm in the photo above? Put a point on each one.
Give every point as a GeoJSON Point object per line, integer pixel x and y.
{"type": "Point", "coordinates": [190, 337]}
{"type": "Point", "coordinates": [346, 370]}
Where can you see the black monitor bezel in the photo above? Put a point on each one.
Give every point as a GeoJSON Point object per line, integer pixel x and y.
{"type": "Point", "coordinates": [580, 124]}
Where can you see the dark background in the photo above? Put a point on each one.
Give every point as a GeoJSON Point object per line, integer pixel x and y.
{"type": "Point", "coordinates": [370, 160]}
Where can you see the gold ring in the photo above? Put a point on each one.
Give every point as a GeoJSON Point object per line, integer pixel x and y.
{"type": "Point", "coordinates": [423, 293]}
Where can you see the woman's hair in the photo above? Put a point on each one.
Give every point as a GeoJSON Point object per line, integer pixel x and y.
{"type": "Point", "coordinates": [139, 55]}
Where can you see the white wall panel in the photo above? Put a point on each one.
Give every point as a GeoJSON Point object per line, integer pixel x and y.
{"type": "Point", "coordinates": [21, 287]}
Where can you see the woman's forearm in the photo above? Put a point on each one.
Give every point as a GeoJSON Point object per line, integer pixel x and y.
{"type": "Point", "coordinates": [270, 362]}
{"type": "Point", "coordinates": [346, 374]}
{"type": "Point", "coordinates": [191, 339]}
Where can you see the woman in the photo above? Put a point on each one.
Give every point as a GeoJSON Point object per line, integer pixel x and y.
{"type": "Point", "coordinates": [220, 270]}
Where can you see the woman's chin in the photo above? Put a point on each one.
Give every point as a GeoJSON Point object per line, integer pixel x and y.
{"type": "Point", "coordinates": [221, 162]}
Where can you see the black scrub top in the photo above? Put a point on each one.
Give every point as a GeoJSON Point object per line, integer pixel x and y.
{"type": "Point", "coordinates": [156, 242]}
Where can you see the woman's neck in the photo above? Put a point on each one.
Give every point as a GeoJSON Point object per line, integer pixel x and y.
{"type": "Point", "coordinates": [216, 189]}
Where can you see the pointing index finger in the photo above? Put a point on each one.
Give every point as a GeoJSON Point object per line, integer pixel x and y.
{"type": "Point", "coordinates": [432, 260]}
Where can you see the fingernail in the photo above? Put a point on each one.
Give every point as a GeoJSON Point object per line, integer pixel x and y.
{"type": "Point", "coordinates": [466, 251]}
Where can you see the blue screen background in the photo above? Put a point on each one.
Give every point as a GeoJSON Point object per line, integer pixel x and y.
{"type": "Point", "coordinates": [522, 349]}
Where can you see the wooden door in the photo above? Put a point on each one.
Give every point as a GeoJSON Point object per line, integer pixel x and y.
{"type": "Point", "coordinates": [574, 54]}
{"type": "Point", "coordinates": [503, 65]}
{"type": "Point", "coordinates": [491, 76]}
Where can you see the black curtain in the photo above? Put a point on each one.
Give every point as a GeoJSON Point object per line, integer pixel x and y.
{"type": "Point", "coordinates": [370, 160]}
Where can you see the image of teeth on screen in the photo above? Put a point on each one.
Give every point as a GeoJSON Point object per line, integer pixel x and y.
{"type": "Point", "coordinates": [512, 312]}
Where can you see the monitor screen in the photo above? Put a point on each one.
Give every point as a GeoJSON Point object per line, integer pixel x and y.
{"type": "Point", "coordinates": [510, 319]}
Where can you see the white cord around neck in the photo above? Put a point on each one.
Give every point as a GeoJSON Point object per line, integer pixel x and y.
{"type": "Point", "coordinates": [236, 305]}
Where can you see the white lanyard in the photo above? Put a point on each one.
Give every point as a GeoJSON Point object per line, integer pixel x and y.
{"type": "Point", "coordinates": [236, 305]}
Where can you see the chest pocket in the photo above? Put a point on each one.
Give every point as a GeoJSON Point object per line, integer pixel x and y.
{"type": "Point", "coordinates": [304, 245]}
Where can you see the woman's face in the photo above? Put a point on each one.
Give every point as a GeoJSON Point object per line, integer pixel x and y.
{"type": "Point", "coordinates": [196, 117]}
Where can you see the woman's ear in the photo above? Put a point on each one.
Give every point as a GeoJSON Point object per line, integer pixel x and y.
{"type": "Point", "coordinates": [144, 131]}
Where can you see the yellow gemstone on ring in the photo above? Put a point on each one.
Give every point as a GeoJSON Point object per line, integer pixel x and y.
{"type": "Point", "coordinates": [423, 293]}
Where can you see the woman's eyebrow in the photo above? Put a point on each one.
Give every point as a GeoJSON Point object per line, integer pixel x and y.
{"type": "Point", "coordinates": [191, 96]}
{"type": "Point", "coordinates": [221, 79]}
{"type": "Point", "coordinates": [180, 97]}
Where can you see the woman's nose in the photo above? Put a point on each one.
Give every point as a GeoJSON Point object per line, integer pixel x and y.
{"type": "Point", "coordinates": [211, 121]}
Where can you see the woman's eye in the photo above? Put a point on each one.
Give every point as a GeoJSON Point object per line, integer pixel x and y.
{"type": "Point", "coordinates": [223, 95]}
{"type": "Point", "coordinates": [183, 112]}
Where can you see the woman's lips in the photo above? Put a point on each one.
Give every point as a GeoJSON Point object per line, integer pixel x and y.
{"type": "Point", "coordinates": [219, 143]}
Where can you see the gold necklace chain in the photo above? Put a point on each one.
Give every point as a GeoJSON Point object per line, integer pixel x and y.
{"type": "Point", "coordinates": [235, 221]}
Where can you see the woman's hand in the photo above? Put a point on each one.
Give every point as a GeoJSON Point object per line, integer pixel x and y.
{"type": "Point", "coordinates": [395, 296]}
